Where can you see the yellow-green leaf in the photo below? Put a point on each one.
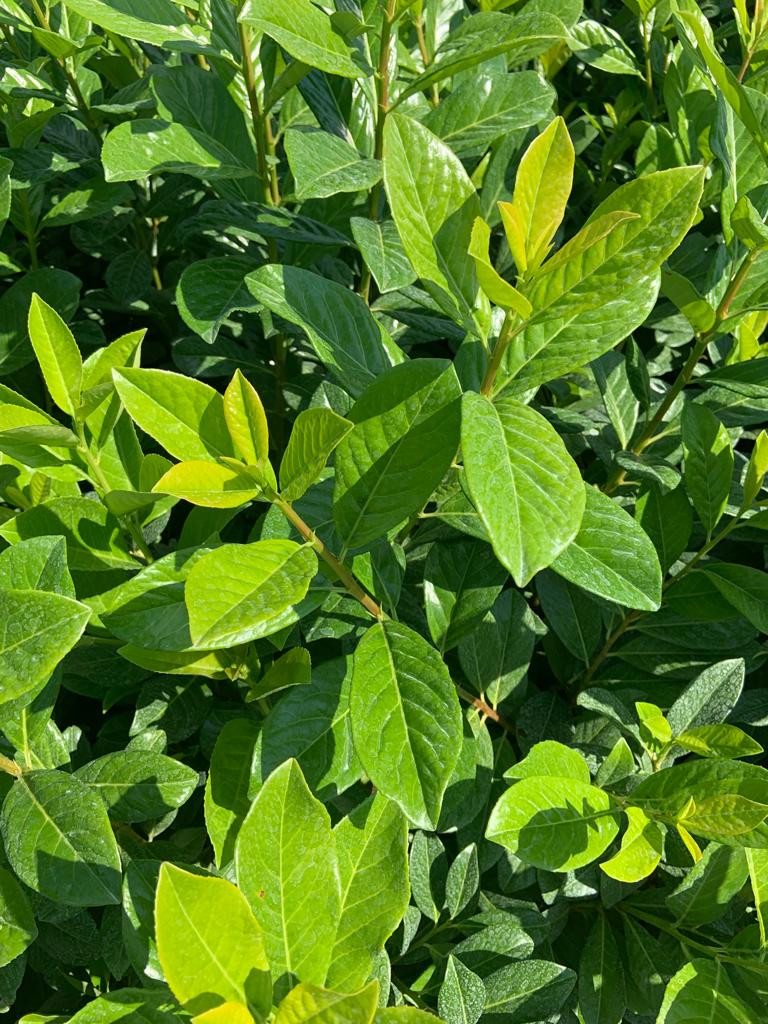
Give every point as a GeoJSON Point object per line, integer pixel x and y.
{"type": "Point", "coordinates": [207, 483]}
{"type": "Point", "coordinates": [641, 848]}
{"type": "Point", "coordinates": [246, 419]}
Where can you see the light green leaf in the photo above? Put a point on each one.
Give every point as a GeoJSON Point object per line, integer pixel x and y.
{"type": "Point", "coordinates": [523, 483]}
{"type": "Point", "coordinates": [286, 867]}
{"type": "Point", "coordinates": [718, 741]}
{"type": "Point", "coordinates": [405, 436]}
{"type": "Point", "coordinates": [308, 1004]}
{"type": "Point", "coordinates": [434, 206]}
{"type": "Point", "coordinates": [315, 434]}
{"type": "Point", "coordinates": [550, 759]}
{"type": "Point", "coordinates": [240, 592]}
{"type": "Point", "coordinates": [757, 863]}
{"type": "Point", "coordinates": [209, 484]}
{"type": "Point", "coordinates": [325, 165]}
{"type": "Point", "coordinates": [152, 21]}
{"type": "Point", "coordinates": [406, 719]}
{"type": "Point", "coordinates": [542, 187]}
{"type": "Point", "coordinates": [127, 1006]}
{"type": "Point", "coordinates": [137, 785]}
{"type": "Point", "coordinates": [603, 283]}
{"type": "Point", "coordinates": [554, 823]}
{"type": "Point", "coordinates": [701, 990]}
{"type": "Point", "coordinates": [371, 847]}
{"type": "Point", "coordinates": [339, 325]}
{"type": "Point", "coordinates": [642, 846]}
{"type": "Point", "coordinates": [17, 921]}
{"type": "Point", "coordinates": [305, 31]}
{"type": "Point", "coordinates": [612, 556]}
{"type": "Point", "coordinates": [708, 463]}
{"type": "Point", "coordinates": [725, 815]}
{"type": "Point", "coordinates": [58, 355]}
{"type": "Point", "coordinates": [201, 960]}
{"type": "Point", "coordinates": [39, 563]}
{"type": "Point", "coordinates": [39, 628]}
{"type": "Point", "coordinates": [184, 415]}
{"type": "Point", "coordinates": [602, 47]}
{"type": "Point", "coordinates": [246, 420]}
{"type": "Point", "coordinates": [495, 287]}
{"type": "Point", "coordinates": [59, 841]}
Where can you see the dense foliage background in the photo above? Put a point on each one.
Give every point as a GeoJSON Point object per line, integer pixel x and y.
{"type": "Point", "coordinates": [382, 583]}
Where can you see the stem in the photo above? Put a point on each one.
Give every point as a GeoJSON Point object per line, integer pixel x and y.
{"type": "Point", "coordinates": [506, 334]}
{"type": "Point", "coordinates": [486, 710]}
{"type": "Point", "coordinates": [646, 34]}
{"type": "Point", "coordinates": [128, 522]}
{"type": "Point", "coordinates": [626, 623]}
{"type": "Point", "coordinates": [698, 350]}
{"type": "Point", "coordinates": [425, 57]}
{"type": "Point", "coordinates": [10, 767]}
{"type": "Point", "coordinates": [339, 569]}
{"type": "Point", "coordinates": [259, 122]}
{"type": "Point", "coordinates": [382, 106]}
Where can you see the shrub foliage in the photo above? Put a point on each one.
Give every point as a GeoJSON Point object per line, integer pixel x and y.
{"type": "Point", "coordinates": [382, 582]}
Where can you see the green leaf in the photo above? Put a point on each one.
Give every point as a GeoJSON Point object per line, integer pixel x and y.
{"type": "Point", "coordinates": [406, 719]}
{"type": "Point", "coordinates": [308, 1003]}
{"type": "Point", "coordinates": [604, 281]}
{"type": "Point", "coordinates": [554, 823]}
{"type": "Point", "coordinates": [462, 994]}
{"type": "Point", "coordinates": [757, 863]}
{"type": "Point", "coordinates": [496, 654]}
{"type": "Point", "coordinates": [184, 415]}
{"type": "Point", "coordinates": [667, 519]}
{"type": "Point", "coordinates": [405, 436]}
{"type": "Point", "coordinates": [749, 226]}
{"type": "Point", "coordinates": [542, 187]}
{"type": "Point", "coordinates": [209, 291]}
{"type": "Point", "coordinates": [129, 1006]}
{"type": "Point", "coordinates": [461, 582]}
{"type": "Point", "coordinates": [265, 582]}
{"type": "Point", "coordinates": [246, 420]}
{"type": "Point", "coordinates": [137, 785]}
{"type": "Point", "coordinates": [305, 31]}
{"type": "Point", "coordinates": [743, 587]}
{"type": "Point", "coordinates": [39, 629]}
{"type": "Point", "coordinates": [286, 867]}
{"type": "Point", "coordinates": [152, 21]}
{"type": "Point", "coordinates": [706, 891]}
{"type": "Point", "coordinates": [204, 963]}
{"type": "Point", "coordinates": [642, 846]}
{"type": "Point", "coordinates": [523, 483]}
{"type": "Point", "coordinates": [434, 206]}
{"type": "Point", "coordinates": [702, 991]}
{"type": "Point", "coordinates": [710, 698]}
{"type": "Point", "coordinates": [612, 556]}
{"type": "Point", "coordinates": [371, 847]}
{"type": "Point", "coordinates": [58, 355]}
{"type": "Point", "coordinates": [602, 47]}
{"type": "Point", "coordinates": [59, 841]}
{"type": "Point", "coordinates": [708, 463]}
{"type": "Point", "coordinates": [325, 165]}
{"type": "Point", "coordinates": [17, 921]}
{"type": "Point", "coordinates": [294, 668]}
{"type": "Point", "coordinates": [550, 759]}
{"type": "Point", "coordinates": [315, 434]}
{"type": "Point", "coordinates": [463, 881]}
{"type": "Point", "coordinates": [533, 990]}
{"type": "Point", "coordinates": [481, 110]}
{"type": "Point", "coordinates": [339, 325]}
{"type": "Point", "coordinates": [144, 146]}
{"type": "Point", "coordinates": [382, 251]}
{"type": "Point", "coordinates": [602, 998]}
{"type": "Point", "coordinates": [229, 788]}
{"type": "Point", "coordinates": [208, 484]}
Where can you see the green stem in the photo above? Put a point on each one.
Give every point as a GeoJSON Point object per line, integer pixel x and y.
{"type": "Point", "coordinates": [425, 57]}
{"type": "Point", "coordinates": [698, 350]}
{"type": "Point", "coordinates": [507, 333]}
{"type": "Point", "coordinates": [338, 567]}
{"type": "Point", "coordinates": [128, 522]}
{"type": "Point", "coordinates": [268, 177]}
